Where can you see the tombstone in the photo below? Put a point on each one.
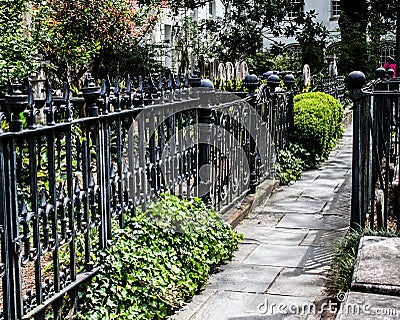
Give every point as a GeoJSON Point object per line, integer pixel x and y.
{"type": "Point", "coordinates": [215, 67]}
{"type": "Point", "coordinates": [230, 71]}
{"type": "Point", "coordinates": [193, 63]}
{"type": "Point", "coordinates": [306, 75]}
{"type": "Point", "coordinates": [332, 67]}
{"type": "Point", "coordinates": [238, 70]}
{"type": "Point", "coordinates": [245, 69]}
{"type": "Point", "coordinates": [214, 63]}
{"type": "Point", "coordinates": [221, 72]}
{"type": "Point", "coordinates": [202, 67]}
{"type": "Point", "coordinates": [38, 82]}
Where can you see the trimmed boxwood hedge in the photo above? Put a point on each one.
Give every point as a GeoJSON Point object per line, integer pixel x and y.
{"type": "Point", "coordinates": [317, 123]}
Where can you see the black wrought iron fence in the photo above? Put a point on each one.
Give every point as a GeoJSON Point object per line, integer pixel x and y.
{"type": "Point", "coordinates": [375, 199]}
{"type": "Point", "coordinates": [71, 168]}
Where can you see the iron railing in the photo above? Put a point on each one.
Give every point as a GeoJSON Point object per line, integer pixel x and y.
{"type": "Point", "coordinates": [70, 168]}
{"type": "Point", "coordinates": [375, 199]}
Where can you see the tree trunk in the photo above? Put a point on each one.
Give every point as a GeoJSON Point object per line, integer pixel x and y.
{"type": "Point", "coordinates": [353, 24]}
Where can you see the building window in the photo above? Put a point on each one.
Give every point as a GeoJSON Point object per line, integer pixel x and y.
{"type": "Point", "coordinates": [297, 7]}
{"type": "Point", "coordinates": [212, 9]}
{"type": "Point", "coordinates": [387, 50]}
{"type": "Point", "coordinates": [335, 8]}
{"type": "Point", "coordinates": [293, 49]}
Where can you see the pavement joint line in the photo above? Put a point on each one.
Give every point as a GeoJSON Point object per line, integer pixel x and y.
{"type": "Point", "coordinates": [202, 304]}
{"type": "Point", "coordinates": [251, 251]}
{"type": "Point", "coordinates": [290, 295]}
{"type": "Point", "coordinates": [274, 280]}
{"type": "Point", "coordinates": [311, 229]}
{"type": "Point", "coordinates": [243, 291]}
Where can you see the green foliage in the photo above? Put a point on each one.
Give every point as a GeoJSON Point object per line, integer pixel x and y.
{"type": "Point", "coordinates": [239, 34]}
{"type": "Point", "coordinates": [17, 49]}
{"type": "Point", "coordinates": [160, 260]}
{"type": "Point", "coordinates": [317, 124]}
{"type": "Point", "coordinates": [345, 255]}
{"type": "Point", "coordinates": [312, 39]}
{"type": "Point", "coordinates": [344, 259]}
{"type": "Point", "coordinates": [263, 61]}
{"type": "Point", "coordinates": [77, 35]}
{"type": "Point", "coordinates": [289, 166]}
{"type": "Point", "coordinates": [367, 21]}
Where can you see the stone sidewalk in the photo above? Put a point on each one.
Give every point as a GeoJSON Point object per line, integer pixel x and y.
{"type": "Point", "coordinates": [280, 268]}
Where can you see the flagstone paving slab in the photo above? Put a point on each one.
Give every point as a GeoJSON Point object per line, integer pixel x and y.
{"type": "Point", "coordinates": [323, 237]}
{"type": "Point", "coordinates": [295, 282]}
{"type": "Point", "coordinates": [238, 305]}
{"type": "Point", "coordinates": [277, 255]}
{"type": "Point", "coordinates": [264, 235]}
{"type": "Point", "coordinates": [255, 279]}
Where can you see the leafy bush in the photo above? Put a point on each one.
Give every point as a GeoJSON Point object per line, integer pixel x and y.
{"type": "Point", "coordinates": [262, 62]}
{"type": "Point", "coordinates": [289, 166]}
{"type": "Point", "coordinates": [318, 126]}
{"type": "Point", "coordinates": [317, 123]}
{"type": "Point", "coordinates": [160, 260]}
{"type": "Point", "coordinates": [18, 52]}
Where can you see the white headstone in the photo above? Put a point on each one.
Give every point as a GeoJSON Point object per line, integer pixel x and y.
{"type": "Point", "coordinates": [306, 75]}
{"type": "Point", "coordinates": [222, 72]}
{"type": "Point", "coordinates": [230, 71]}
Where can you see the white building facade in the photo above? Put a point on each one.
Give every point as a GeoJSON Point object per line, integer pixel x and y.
{"type": "Point", "coordinates": [166, 30]}
{"type": "Point", "coordinates": [327, 12]}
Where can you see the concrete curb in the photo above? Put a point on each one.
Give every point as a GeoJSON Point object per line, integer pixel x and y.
{"type": "Point", "coordinates": [376, 265]}
{"type": "Point", "coordinates": [236, 214]}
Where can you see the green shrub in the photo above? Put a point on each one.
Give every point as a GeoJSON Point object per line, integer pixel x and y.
{"type": "Point", "coordinates": [161, 259]}
{"type": "Point", "coordinates": [289, 166]}
{"type": "Point", "coordinates": [318, 123]}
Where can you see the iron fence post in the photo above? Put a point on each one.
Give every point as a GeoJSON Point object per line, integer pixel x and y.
{"type": "Point", "coordinates": [398, 40]}
{"type": "Point", "coordinates": [204, 144]}
{"type": "Point", "coordinates": [289, 82]}
{"type": "Point", "coordinates": [91, 93]}
{"type": "Point", "coordinates": [251, 83]}
{"type": "Point", "coordinates": [273, 82]}
{"type": "Point", "coordinates": [356, 81]}
{"type": "Point", "coordinates": [16, 102]}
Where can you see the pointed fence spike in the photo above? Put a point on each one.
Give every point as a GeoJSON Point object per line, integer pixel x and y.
{"type": "Point", "coordinates": [160, 83]}
{"type": "Point", "coordinates": [128, 84]}
{"type": "Point", "coordinates": [186, 81]}
{"type": "Point", "coordinates": [116, 87]}
{"type": "Point", "coordinates": [140, 86]}
{"type": "Point", "coordinates": [49, 93]}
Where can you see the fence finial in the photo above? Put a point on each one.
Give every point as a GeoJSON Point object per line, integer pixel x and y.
{"type": "Point", "coordinates": [16, 102]}
{"type": "Point", "coordinates": [31, 112]}
{"type": "Point", "coordinates": [91, 93]}
{"type": "Point", "coordinates": [356, 80]}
